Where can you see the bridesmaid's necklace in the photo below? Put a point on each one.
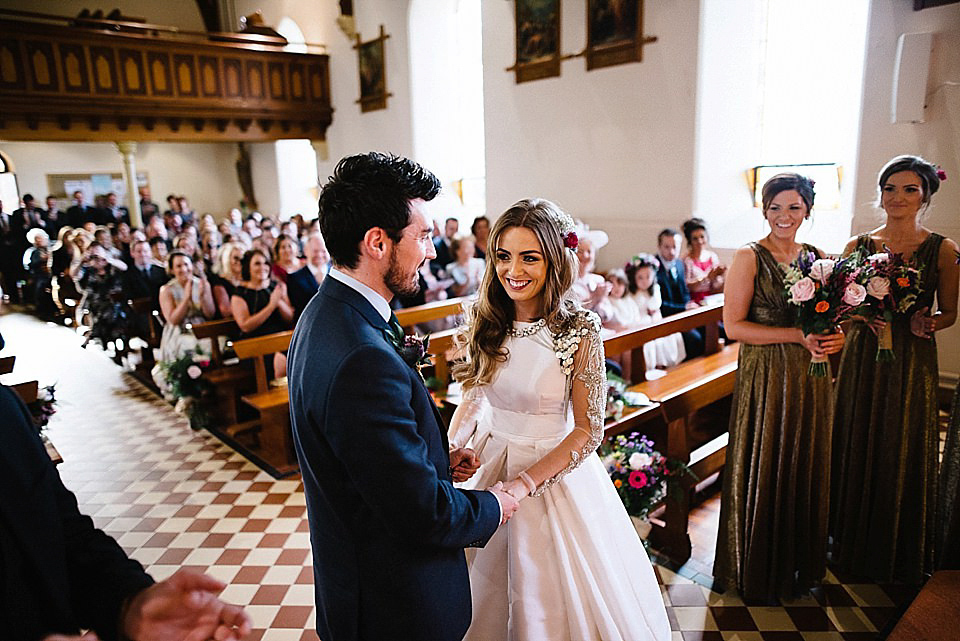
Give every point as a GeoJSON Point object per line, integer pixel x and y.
{"type": "Point", "coordinates": [523, 332]}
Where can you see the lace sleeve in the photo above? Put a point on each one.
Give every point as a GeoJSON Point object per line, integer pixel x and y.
{"type": "Point", "coordinates": [463, 425]}
{"type": "Point", "coordinates": [587, 395]}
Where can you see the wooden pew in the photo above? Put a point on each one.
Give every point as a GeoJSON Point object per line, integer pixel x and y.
{"type": "Point", "coordinates": [150, 335]}
{"type": "Point", "coordinates": [273, 404]}
{"type": "Point", "coordinates": [230, 381]}
{"type": "Point", "coordinates": [687, 388]}
{"type": "Point", "coordinates": [6, 364]}
{"type": "Point", "coordinates": [410, 316]}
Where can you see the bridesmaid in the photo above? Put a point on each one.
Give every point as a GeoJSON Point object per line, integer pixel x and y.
{"type": "Point", "coordinates": [773, 512]}
{"type": "Point", "coordinates": [885, 431]}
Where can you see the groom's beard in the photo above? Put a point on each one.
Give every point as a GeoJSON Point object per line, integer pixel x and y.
{"type": "Point", "coordinates": [403, 285]}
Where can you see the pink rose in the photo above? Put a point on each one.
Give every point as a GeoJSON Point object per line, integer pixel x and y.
{"type": "Point", "coordinates": [821, 269]}
{"type": "Point", "coordinates": [878, 287]}
{"type": "Point", "coordinates": [854, 294]}
{"type": "Point", "coordinates": [802, 291]}
{"type": "Point", "coordinates": [194, 371]}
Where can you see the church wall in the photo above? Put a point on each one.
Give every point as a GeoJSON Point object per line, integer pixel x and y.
{"type": "Point", "coordinates": [203, 172]}
{"type": "Point", "coordinates": [937, 139]}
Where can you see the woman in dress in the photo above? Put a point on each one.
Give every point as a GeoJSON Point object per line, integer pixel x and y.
{"type": "Point", "coordinates": [227, 274]}
{"type": "Point", "coordinates": [480, 230]}
{"type": "Point", "coordinates": [569, 565]}
{"type": "Point", "coordinates": [286, 256]}
{"type": "Point", "coordinates": [261, 306]}
{"type": "Point", "coordinates": [589, 288]}
{"type": "Point", "coordinates": [185, 299]}
{"type": "Point", "coordinates": [883, 512]}
{"type": "Point", "coordinates": [773, 511]}
{"type": "Point", "coordinates": [702, 266]}
{"type": "Point", "coordinates": [466, 270]}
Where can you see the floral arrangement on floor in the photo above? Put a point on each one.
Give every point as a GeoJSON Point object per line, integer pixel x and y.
{"type": "Point", "coordinates": [188, 387]}
{"type": "Point", "coordinates": [826, 292]}
{"type": "Point", "coordinates": [892, 285]}
{"type": "Point", "coordinates": [639, 472]}
{"type": "Point", "coordinates": [44, 407]}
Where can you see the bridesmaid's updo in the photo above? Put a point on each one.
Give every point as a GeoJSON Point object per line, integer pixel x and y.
{"type": "Point", "coordinates": [787, 182]}
{"type": "Point", "coordinates": [927, 172]}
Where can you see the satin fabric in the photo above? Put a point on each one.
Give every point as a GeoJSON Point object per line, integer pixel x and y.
{"type": "Point", "coordinates": [773, 511]}
{"type": "Point", "coordinates": [886, 446]}
{"type": "Point", "coordinates": [569, 564]}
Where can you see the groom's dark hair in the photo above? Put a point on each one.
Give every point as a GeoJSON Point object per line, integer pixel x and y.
{"type": "Point", "coordinates": [370, 190]}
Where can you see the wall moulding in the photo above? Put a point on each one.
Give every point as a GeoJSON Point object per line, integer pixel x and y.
{"type": "Point", "coordinates": [146, 85]}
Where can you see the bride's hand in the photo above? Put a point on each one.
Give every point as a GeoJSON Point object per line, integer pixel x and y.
{"type": "Point", "coordinates": [516, 488]}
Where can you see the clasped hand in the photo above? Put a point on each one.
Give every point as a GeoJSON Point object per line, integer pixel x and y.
{"type": "Point", "coordinates": [823, 344]}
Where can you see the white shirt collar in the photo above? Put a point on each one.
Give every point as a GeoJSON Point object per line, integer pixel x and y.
{"type": "Point", "coordinates": [379, 302]}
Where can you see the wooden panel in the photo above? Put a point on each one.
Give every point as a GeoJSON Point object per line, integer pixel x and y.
{"type": "Point", "coordinates": [43, 69]}
{"type": "Point", "coordinates": [317, 82]}
{"type": "Point", "coordinates": [255, 79]}
{"type": "Point", "coordinates": [11, 65]}
{"type": "Point", "coordinates": [277, 82]}
{"type": "Point", "coordinates": [131, 71]}
{"type": "Point", "coordinates": [161, 78]}
{"type": "Point", "coordinates": [209, 77]}
{"type": "Point", "coordinates": [298, 82]}
{"type": "Point", "coordinates": [73, 66]}
{"type": "Point", "coordinates": [233, 78]}
{"type": "Point", "coordinates": [103, 64]}
{"type": "Point", "coordinates": [185, 75]}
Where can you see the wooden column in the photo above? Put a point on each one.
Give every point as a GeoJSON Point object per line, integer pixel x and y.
{"type": "Point", "coordinates": [128, 150]}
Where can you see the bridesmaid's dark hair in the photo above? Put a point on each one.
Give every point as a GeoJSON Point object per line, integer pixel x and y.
{"type": "Point", "coordinates": [692, 225]}
{"type": "Point", "coordinates": [635, 265]}
{"type": "Point", "coordinates": [787, 182]}
{"type": "Point", "coordinates": [926, 171]}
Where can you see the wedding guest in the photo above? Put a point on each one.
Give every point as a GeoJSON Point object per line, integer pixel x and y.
{"type": "Point", "coordinates": [673, 287]}
{"type": "Point", "coordinates": [641, 273]}
{"type": "Point", "coordinates": [100, 279]}
{"type": "Point", "coordinates": [148, 208]}
{"type": "Point", "coordinates": [590, 289]}
{"type": "Point", "coordinates": [143, 280]}
{"type": "Point", "coordinates": [158, 247]}
{"type": "Point", "coordinates": [36, 262]}
{"type": "Point", "coordinates": [533, 406]}
{"type": "Point", "coordinates": [704, 272]}
{"type": "Point", "coordinates": [185, 300]}
{"type": "Point", "coordinates": [261, 306]}
{"type": "Point", "coordinates": [443, 245]}
{"type": "Point", "coordinates": [53, 217]}
{"type": "Point", "coordinates": [227, 276]}
{"type": "Point", "coordinates": [304, 283]}
{"type": "Point", "coordinates": [480, 230]}
{"type": "Point", "coordinates": [286, 258]}
{"type": "Point", "coordinates": [79, 213]}
{"type": "Point", "coordinates": [886, 427]}
{"type": "Point", "coordinates": [774, 507]}
{"type": "Point", "coordinates": [466, 269]}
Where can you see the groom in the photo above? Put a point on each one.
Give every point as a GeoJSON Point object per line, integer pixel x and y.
{"type": "Point", "coordinates": [387, 526]}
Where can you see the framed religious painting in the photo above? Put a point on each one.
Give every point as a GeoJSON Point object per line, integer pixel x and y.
{"type": "Point", "coordinates": [615, 32]}
{"type": "Point", "coordinates": [538, 39]}
{"type": "Point", "coordinates": [373, 73]}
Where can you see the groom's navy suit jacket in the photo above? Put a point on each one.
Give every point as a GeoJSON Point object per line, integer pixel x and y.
{"type": "Point", "coordinates": [387, 526]}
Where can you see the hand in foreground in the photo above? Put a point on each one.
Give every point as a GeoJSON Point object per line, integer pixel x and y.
{"type": "Point", "coordinates": [922, 324]}
{"type": "Point", "coordinates": [508, 504]}
{"type": "Point", "coordinates": [517, 489]}
{"type": "Point", "coordinates": [823, 344]}
{"type": "Point", "coordinates": [876, 325]}
{"type": "Point", "coordinates": [184, 608]}
{"type": "Point", "coordinates": [463, 463]}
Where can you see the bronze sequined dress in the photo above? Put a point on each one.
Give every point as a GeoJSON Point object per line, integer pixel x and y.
{"type": "Point", "coordinates": [883, 506]}
{"type": "Point", "coordinates": [773, 512]}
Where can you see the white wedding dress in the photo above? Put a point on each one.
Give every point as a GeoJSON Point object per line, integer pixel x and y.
{"type": "Point", "coordinates": [569, 565]}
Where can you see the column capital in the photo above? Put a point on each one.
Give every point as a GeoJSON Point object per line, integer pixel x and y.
{"type": "Point", "coordinates": [126, 147]}
{"type": "Point", "coordinates": [321, 149]}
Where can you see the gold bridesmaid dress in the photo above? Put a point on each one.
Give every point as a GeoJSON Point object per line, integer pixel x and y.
{"type": "Point", "coordinates": [773, 512]}
{"type": "Point", "coordinates": [883, 506]}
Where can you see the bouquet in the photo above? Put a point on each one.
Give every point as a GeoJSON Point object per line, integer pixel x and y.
{"type": "Point", "coordinates": [892, 285]}
{"type": "Point", "coordinates": [184, 375]}
{"type": "Point", "coordinates": [639, 472]}
{"type": "Point", "coordinates": [44, 407]}
{"type": "Point", "coordinates": [826, 292]}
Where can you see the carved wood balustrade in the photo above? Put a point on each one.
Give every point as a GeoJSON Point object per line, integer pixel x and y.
{"type": "Point", "coordinates": [68, 82]}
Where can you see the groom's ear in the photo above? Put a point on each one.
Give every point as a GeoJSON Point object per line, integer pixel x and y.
{"type": "Point", "coordinates": [374, 243]}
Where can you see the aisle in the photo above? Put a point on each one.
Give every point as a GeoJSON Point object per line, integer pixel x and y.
{"type": "Point", "coordinates": [173, 497]}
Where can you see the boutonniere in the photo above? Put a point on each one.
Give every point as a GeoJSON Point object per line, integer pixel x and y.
{"type": "Point", "coordinates": [413, 350]}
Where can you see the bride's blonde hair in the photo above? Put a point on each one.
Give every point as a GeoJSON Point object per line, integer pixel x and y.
{"type": "Point", "coordinates": [480, 340]}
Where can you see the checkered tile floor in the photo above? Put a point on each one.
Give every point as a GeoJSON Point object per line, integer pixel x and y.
{"type": "Point", "coordinates": [173, 497]}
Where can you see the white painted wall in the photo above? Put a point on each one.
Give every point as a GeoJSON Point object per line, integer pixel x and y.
{"type": "Point", "coordinates": [614, 146]}
{"type": "Point", "coordinates": [937, 139]}
{"type": "Point", "coordinates": [204, 172]}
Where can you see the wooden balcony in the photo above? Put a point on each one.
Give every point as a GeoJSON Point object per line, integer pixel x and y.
{"type": "Point", "coordinates": [62, 79]}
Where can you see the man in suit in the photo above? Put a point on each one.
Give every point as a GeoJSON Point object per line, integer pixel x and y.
{"type": "Point", "coordinates": [442, 246]}
{"type": "Point", "coordinates": [672, 279]}
{"type": "Point", "coordinates": [78, 213]}
{"type": "Point", "coordinates": [114, 214]}
{"type": "Point", "coordinates": [11, 256]}
{"type": "Point", "coordinates": [144, 278]}
{"type": "Point", "coordinates": [304, 283]}
{"type": "Point", "coordinates": [386, 523]}
{"type": "Point", "coordinates": [59, 574]}
{"type": "Point", "coordinates": [148, 208]}
{"type": "Point", "coordinates": [53, 217]}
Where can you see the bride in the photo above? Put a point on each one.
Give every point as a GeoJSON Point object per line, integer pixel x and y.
{"type": "Point", "coordinates": [569, 565]}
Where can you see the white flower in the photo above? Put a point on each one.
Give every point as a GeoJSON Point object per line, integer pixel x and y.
{"type": "Point", "coordinates": [821, 269]}
{"type": "Point", "coordinates": [878, 287]}
{"type": "Point", "coordinates": [802, 291]}
{"type": "Point", "coordinates": [639, 460]}
{"type": "Point", "coordinates": [194, 371]}
{"type": "Point", "coordinates": [854, 294]}
{"type": "Point", "coordinates": [880, 257]}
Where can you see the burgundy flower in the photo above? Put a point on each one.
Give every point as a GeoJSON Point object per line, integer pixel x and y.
{"type": "Point", "coordinates": [941, 174]}
{"type": "Point", "coordinates": [571, 240]}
